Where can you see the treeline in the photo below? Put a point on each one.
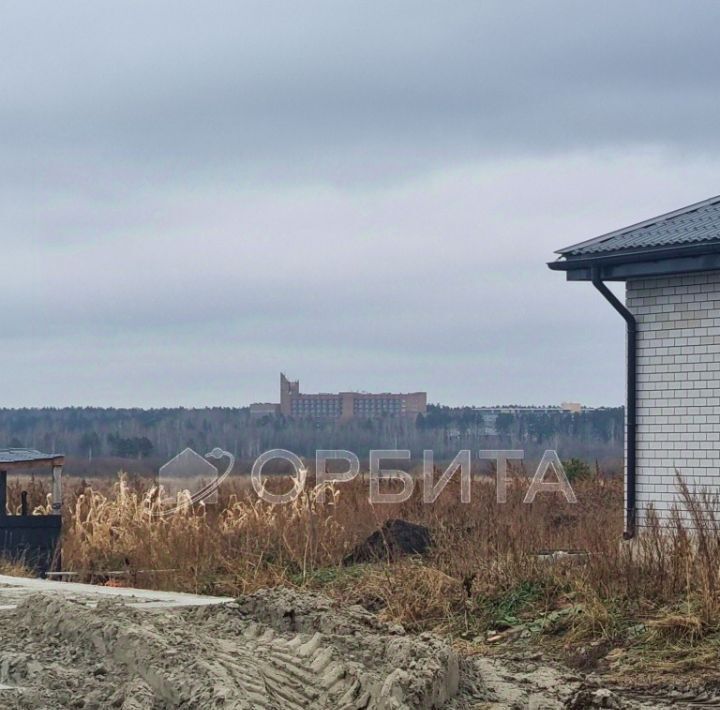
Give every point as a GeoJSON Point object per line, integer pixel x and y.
{"type": "Point", "coordinates": [604, 425]}
{"type": "Point", "coordinates": [158, 434]}
{"type": "Point", "coordinates": [92, 432]}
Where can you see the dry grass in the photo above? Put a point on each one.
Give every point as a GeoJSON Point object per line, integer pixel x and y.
{"type": "Point", "coordinates": [15, 568]}
{"type": "Point", "coordinates": [243, 543]}
{"type": "Point", "coordinates": [653, 598]}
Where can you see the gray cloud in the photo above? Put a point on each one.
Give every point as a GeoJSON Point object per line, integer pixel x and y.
{"type": "Point", "coordinates": [342, 92]}
{"type": "Point", "coordinates": [194, 196]}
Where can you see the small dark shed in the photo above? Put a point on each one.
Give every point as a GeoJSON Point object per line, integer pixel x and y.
{"type": "Point", "coordinates": [32, 539]}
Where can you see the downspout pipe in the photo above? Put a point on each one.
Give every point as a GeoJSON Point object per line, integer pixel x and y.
{"type": "Point", "coordinates": [631, 406]}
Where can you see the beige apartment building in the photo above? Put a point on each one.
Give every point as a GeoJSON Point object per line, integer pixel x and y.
{"type": "Point", "coordinates": [348, 405]}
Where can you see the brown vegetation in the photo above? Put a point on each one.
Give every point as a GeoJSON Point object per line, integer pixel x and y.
{"type": "Point", "coordinates": [485, 579]}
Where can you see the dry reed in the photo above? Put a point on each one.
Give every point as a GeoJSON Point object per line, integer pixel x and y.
{"type": "Point", "coordinates": [483, 572]}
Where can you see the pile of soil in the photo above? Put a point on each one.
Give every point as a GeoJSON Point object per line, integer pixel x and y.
{"type": "Point", "coordinates": [394, 539]}
{"type": "Point", "coordinates": [276, 649]}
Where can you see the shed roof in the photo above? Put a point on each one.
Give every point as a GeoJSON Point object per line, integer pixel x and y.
{"type": "Point", "coordinates": [682, 241]}
{"type": "Point", "coordinates": [18, 457]}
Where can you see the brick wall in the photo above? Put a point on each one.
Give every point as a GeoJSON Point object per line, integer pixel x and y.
{"type": "Point", "coordinates": [678, 414]}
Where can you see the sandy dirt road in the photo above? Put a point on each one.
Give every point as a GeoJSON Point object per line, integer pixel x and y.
{"type": "Point", "coordinates": [74, 646]}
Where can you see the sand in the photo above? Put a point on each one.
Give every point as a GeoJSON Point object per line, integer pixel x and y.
{"type": "Point", "coordinates": [274, 649]}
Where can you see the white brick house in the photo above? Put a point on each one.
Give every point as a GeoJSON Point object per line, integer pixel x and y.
{"type": "Point", "coordinates": [671, 267]}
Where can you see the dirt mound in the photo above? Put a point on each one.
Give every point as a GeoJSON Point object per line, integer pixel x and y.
{"type": "Point", "coordinates": [389, 667]}
{"type": "Point", "coordinates": [289, 610]}
{"type": "Point", "coordinates": [276, 649]}
{"type": "Point", "coordinates": [394, 539]}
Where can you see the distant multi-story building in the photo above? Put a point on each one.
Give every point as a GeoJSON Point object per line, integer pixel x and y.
{"type": "Point", "coordinates": [490, 414]}
{"type": "Point", "coordinates": [264, 409]}
{"type": "Point", "coordinates": [573, 407]}
{"type": "Point", "coordinates": [343, 405]}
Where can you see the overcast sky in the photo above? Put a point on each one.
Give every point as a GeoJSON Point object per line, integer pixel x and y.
{"type": "Point", "coordinates": [196, 196]}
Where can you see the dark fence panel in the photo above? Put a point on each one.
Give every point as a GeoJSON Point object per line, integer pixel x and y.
{"type": "Point", "coordinates": [32, 539]}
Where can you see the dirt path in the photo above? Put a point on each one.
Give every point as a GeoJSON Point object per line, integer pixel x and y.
{"type": "Point", "coordinates": [274, 649]}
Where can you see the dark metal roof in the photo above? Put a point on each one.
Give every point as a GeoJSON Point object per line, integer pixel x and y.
{"type": "Point", "coordinates": [680, 242]}
{"type": "Point", "coordinates": [695, 224]}
{"type": "Point", "coordinates": [25, 456]}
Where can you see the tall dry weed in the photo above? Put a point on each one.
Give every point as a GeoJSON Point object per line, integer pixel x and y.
{"type": "Point", "coordinates": [485, 566]}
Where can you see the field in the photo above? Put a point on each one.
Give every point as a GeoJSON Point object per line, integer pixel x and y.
{"type": "Point", "coordinates": [649, 609]}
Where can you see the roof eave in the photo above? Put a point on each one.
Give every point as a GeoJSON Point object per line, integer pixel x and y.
{"type": "Point", "coordinates": [32, 463]}
{"type": "Point", "coordinates": [621, 266]}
